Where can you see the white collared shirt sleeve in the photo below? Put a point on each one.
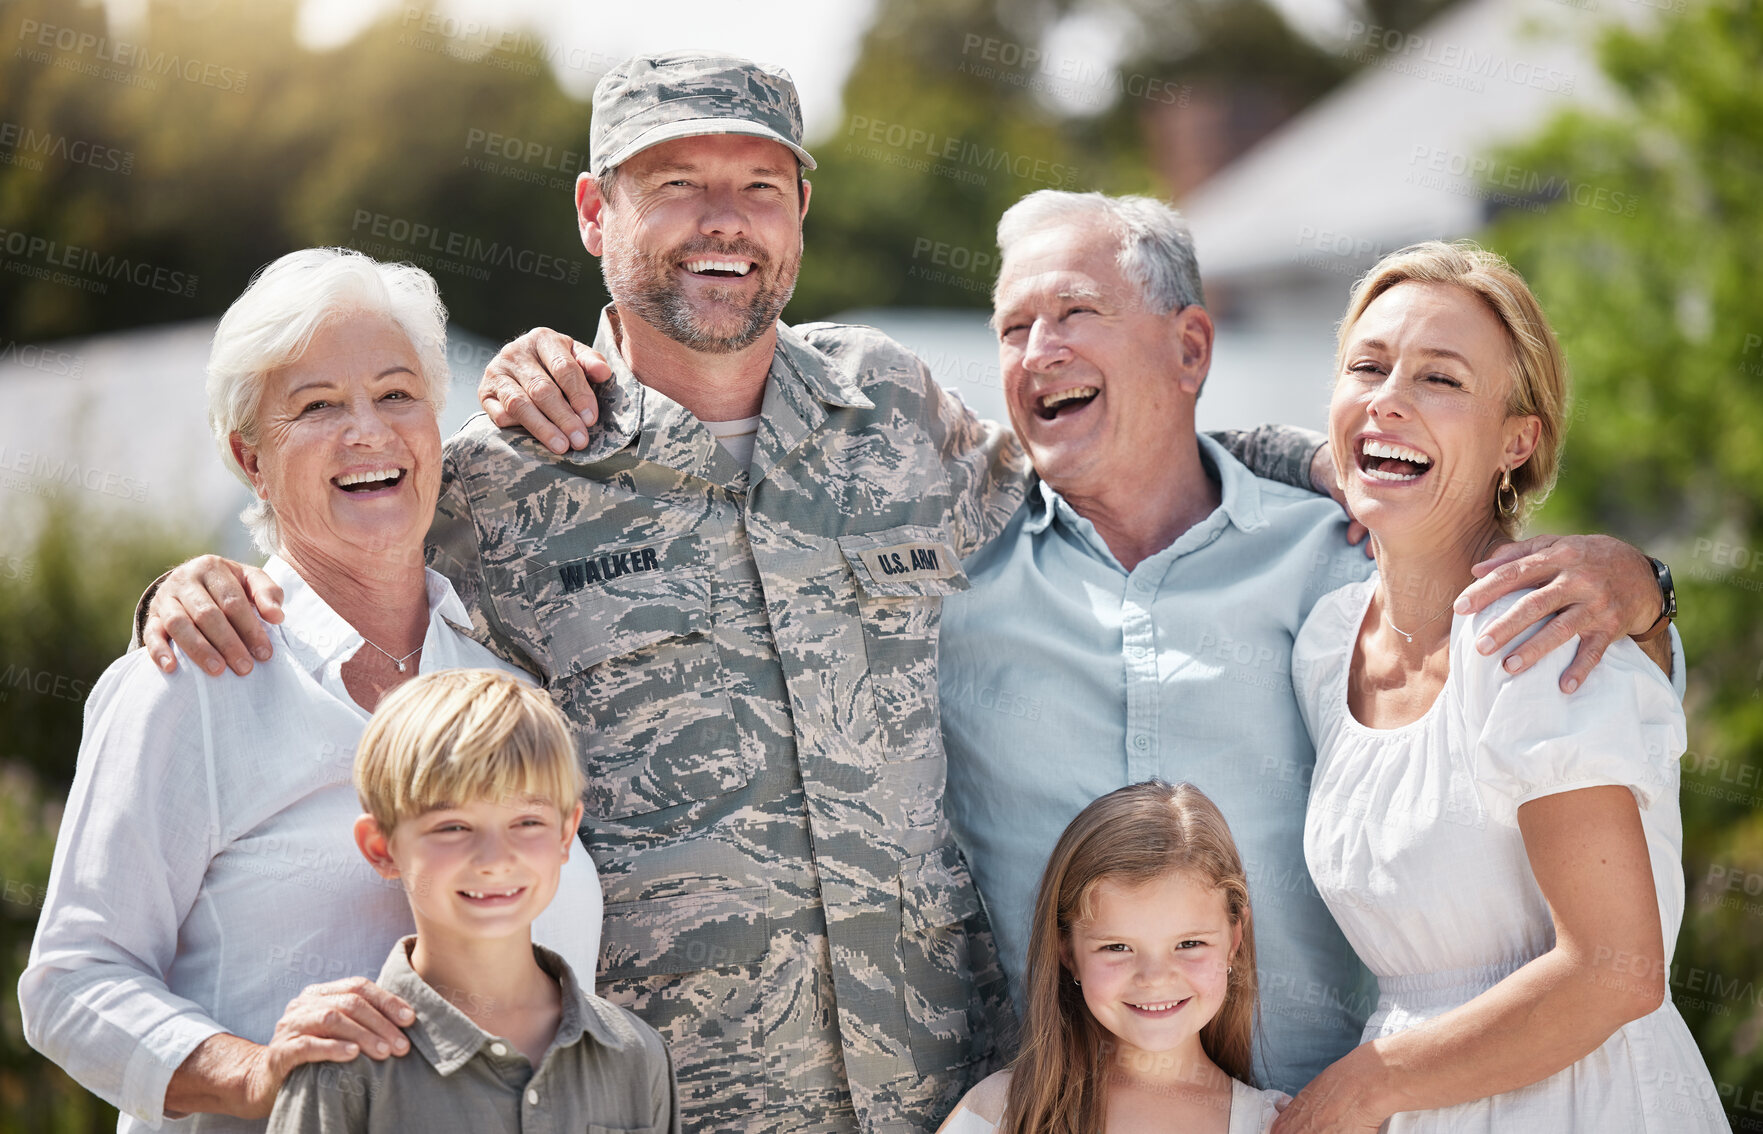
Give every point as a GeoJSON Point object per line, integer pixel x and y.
{"type": "Point", "coordinates": [94, 997]}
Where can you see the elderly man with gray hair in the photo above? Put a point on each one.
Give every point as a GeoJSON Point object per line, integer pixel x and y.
{"type": "Point", "coordinates": [1135, 618]}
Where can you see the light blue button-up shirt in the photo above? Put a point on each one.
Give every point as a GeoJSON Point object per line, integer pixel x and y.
{"type": "Point", "coordinates": [1064, 676]}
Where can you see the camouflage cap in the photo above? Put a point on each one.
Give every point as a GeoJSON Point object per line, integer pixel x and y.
{"type": "Point", "coordinates": [652, 99]}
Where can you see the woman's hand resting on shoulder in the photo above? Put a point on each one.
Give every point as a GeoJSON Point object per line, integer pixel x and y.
{"type": "Point", "coordinates": [330, 1022]}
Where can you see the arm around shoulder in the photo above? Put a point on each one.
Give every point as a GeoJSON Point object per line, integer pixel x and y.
{"type": "Point", "coordinates": [1275, 452]}
{"type": "Point", "coordinates": [987, 469]}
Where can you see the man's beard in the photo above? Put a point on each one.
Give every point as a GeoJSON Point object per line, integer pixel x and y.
{"type": "Point", "coordinates": [642, 285]}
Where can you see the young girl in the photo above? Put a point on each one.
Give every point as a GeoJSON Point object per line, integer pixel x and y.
{"type": "Point", "coordinates": [1140, 983]}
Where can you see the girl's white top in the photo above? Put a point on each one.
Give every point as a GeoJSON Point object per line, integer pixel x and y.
{"type": "Point", "coordinates": [1412, 839]}
{"type": "Point", "coordinates": [1251, 1112]}
{"type": "Point", "coordinates": [206, 870]}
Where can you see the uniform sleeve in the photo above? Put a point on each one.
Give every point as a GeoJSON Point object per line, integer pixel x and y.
{"type": "Point", "coordinates": [1275, 452]}
{"type": "Point", "coordinates": [133, 848]}
{"type": "Point", "coordinates": [323, 1098]}
{"type": "Point", "coordinates": [453, 550]}
{"type": "Point", "coordinates": [1624, 725]}
{"type": "Point", "coordinates": [988, 472]}
{"type": "Point", "coordinates": [137, 633]}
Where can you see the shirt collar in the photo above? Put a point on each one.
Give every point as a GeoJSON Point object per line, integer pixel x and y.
{"type": "Point", "coordinates": [320, 639]}
{"type": "Point", "coordinates": [801, 381]}
{"type": "Point", "coordinates": [835, 381]}
{"type": "Point", "coordinates": [1239, 489]}
{"type": "Point", "coordinates": [449, 1039]}
{"type": "Point", "coordinates": [1239, 492]}
{"type": "Point", "coordinates": [317, 636]}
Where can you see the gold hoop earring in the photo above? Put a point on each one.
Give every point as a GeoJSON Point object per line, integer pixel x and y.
{"type": "Point", "coordinates": [1505, 496]}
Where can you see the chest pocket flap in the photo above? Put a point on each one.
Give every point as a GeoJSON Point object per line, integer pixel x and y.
{"type": "Point", "coordinates": [634, 665]}
{"type": "Point", "coordinates": [902, 575]}
{"type": "Point", "coordinates": [904, 562]}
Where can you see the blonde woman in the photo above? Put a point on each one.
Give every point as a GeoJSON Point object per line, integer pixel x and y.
{"type": "Point", "coordinates": [1505, 857]}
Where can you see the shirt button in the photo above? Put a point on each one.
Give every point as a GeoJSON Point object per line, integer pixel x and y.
{"type": "Point", "coordinates": [498, 1049]}
{"type": "Point", "coordinates": [1141, 742]}
{"type": "Point", "coordinates": [532, 1098]}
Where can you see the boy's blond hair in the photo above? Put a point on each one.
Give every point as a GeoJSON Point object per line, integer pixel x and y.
{"type": "Point", "coordinates": [457, 735]}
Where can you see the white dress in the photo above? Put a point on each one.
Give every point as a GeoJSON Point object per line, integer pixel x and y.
{"type": "Point", "coordinates": [1412, 839]}
{"type": "Point", "coordinates": [1251, 1112]}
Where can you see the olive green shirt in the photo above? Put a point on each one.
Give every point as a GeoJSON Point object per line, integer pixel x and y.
{"type": "Point", "coordinates": [605, 1070]}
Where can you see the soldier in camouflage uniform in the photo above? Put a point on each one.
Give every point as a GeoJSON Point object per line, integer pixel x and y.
{"type": "Point", "coordinates": [748, 656]}
{"type": "Point", "coordinates": [747, 652]}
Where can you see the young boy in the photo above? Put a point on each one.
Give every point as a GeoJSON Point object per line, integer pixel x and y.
{"type": "Point", "coordinates": [473, 797]}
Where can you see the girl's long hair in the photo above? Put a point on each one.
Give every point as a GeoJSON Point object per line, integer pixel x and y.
{"type": "Point", "coordinates": [1058, 1084]}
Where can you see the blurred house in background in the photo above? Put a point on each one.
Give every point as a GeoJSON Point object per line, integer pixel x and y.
{"type": "Point", "coordinates": [1400, 152]}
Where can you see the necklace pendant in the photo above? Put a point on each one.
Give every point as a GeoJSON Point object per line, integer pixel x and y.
{"type": "Point", "coordinates": [402, 666]}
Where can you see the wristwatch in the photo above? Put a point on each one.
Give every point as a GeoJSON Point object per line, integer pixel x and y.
{"type": "Point", "coordinates": [1667, 602]}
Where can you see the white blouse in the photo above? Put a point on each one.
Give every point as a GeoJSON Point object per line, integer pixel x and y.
{"type": "Point", "coordinates": [206, 870]}
{"type": "Point", "coordinates": [1412, 838]}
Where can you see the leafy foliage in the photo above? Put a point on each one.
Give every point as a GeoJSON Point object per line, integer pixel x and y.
{"type": "Point", "coordinates": [1662, 322]}
{"type": "Point", "coordinates": [271, 147]}
{"type": "Point", "coordinates": [65, 608]}
{"type": "Point", "coordinates": [229, 143]}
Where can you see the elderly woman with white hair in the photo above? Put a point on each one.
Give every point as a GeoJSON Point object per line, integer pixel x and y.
{"type": "Point", "coordinates": [205, 871]}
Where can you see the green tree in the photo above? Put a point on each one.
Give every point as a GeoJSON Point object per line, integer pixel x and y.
{"type": "Point", "coordinates": [227, 143]}
{"type": "Point", "coordinates": [947, 121]}
{"type": "Point", "coordinates": [65, 605]}
{"type": "Point", "coordinates": [1648, 263]}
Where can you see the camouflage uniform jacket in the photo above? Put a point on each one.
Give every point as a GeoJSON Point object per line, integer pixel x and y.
{"type": "Point", "coordinates": [748, 658]}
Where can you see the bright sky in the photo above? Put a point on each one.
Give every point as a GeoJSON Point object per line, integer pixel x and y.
{"type": "Point", "coordinates": [816, 40]}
